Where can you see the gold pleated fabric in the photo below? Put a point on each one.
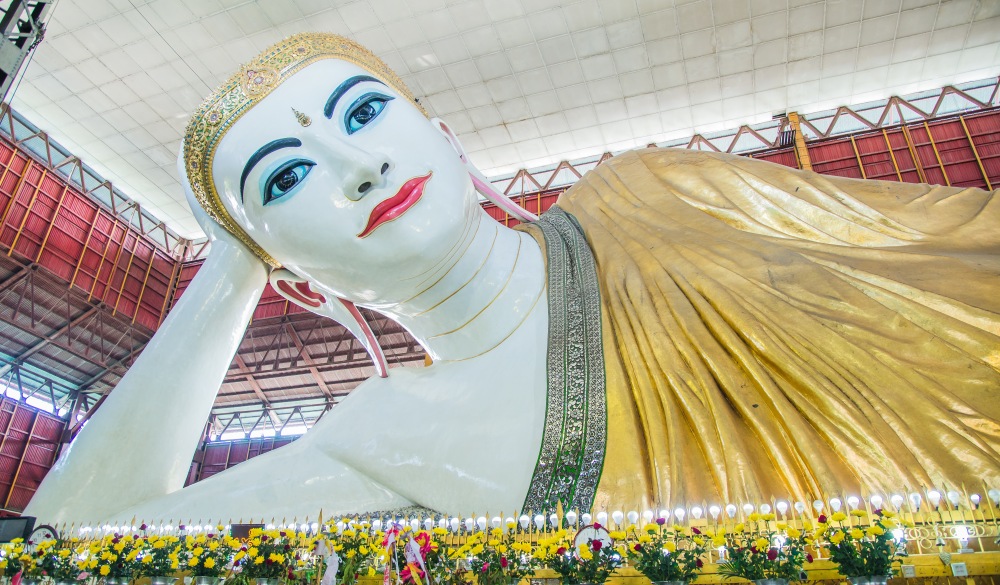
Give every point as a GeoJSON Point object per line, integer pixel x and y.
{"type": "Point", "coordinates": [774, 333]}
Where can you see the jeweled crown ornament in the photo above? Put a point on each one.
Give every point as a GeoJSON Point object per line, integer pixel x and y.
{"type": "Point", "coordinates": [303, 119]}
{"type": "Point", "coordinates": [252, 83]}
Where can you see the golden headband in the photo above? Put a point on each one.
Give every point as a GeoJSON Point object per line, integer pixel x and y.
{"type": "Point", "coordinates": [252, 83]}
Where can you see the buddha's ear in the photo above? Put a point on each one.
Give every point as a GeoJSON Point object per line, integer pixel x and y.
{"type": "Point", "coordinates": [298, 291]}
{"type": "Point", "coordinates": [482, 185]}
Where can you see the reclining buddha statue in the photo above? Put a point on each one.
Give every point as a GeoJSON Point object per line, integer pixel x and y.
{"type": "Point", "coordinates": [682, 327]}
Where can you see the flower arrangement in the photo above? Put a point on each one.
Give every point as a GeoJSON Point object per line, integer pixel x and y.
{"type": "Point", "coordinates": [10, 557]}
{"type": "Point", "coordinates": [590, 562]}
{"type": "Point", "coordinates": [756, 551]}
{"type": "Point", "coordinates": [435, 559]}
{"type": "Point", "coordinates": [115, 557]}
{"type": "Point", "coordinates": [358, 550]}
{"type": "Point", "coordinates": [208, 555]}
{"type": "Point", "coordinates": [863, 552]}
{"type": "Point", "coordinates": [497, 557]}
{"type": "Point", "coordinates": [662, 554]}
{"type": "Point", "coordinates": [267, 555]}
{"type": "Point", "coordinates": [158, 556]}
{"type": "Point", "coordinates": [56, 559]}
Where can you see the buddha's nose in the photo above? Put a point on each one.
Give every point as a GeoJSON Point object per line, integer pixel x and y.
{"type": "Point", "coordinates": [369, 174]}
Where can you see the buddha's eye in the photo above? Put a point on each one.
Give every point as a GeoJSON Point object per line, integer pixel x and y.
{"type": "Point", "coordinates": [365, 109]}
{"type": "Point", "coordinates": [285, 179]}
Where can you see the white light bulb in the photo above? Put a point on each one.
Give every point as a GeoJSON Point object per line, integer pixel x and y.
{"type": "Point", "coordinates": [495, 522]}
{"type": "Point", "coordinates": [853, 502]}
{"type": "Point", "coordinates": [554, 520]}
{"type": "Point", "coordinates": [748, 508]}
{"type": "Point", "coordinates": [896, 500]}
{"type": "Point", "coordinates": [602, 518]}
{"type": "Point", "coordinates": [471, 523]}
{"type": "Point", "coordinates": [696, 512]}
{"type": "Point", "coordinates": [818, 505]}
{"type": "Point", "coordinates": [975, 499]}
{"type": "Point", "coordinates": [782, 507]}
{"type": "Point", "coordinates": [731, 510]}
{"type": "Point", "coordinates": [443, 523]}
{"type": "Point", "coordinates": [647, 516]}
{"type": "Point", "coordinates": [994, 495]}
{"type": "Point", "coordinates": [664, 514]}
{"type": "Point", "coordinates": [524, 521]}
{"type": "Point", "coordinates": [481, 522]}
{"type": "Point", "coordinates": [586, 519]}
{"type": "Point", "coordinates": [714, 511]}
{"type": "Point", "coordinates": [679, 513]}
{"type": "Point", "coordinates": [415, 525]}
{"type": "Point", "coordinates": [954, 497]}
{"type": "Point", "coordinates": [915, 499]}
{"type": "Point", "coordinates": [765, 509]}
{"type": "Point", "coordinates": [377, 524]}
{"type": "Point", "coordinates": [618, 516]}
{"type": "Point", "coordinates": [876, 501]}
{"type": "Point", "coordinates": [835, 503]}
{"type": "Point", "coordinates": [934, 497]}
{"type": "Point", "coordinates": [571, 517]}
{"type": "Point", "coordinates": [428, 524]}
{"type": "Point", "coordinates": [633, 517]}
{"type": "Point", "coordinates": [800, 507]}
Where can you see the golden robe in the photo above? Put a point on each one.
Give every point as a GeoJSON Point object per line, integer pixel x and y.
{"type": "Point", "coordinates": [777, 333]}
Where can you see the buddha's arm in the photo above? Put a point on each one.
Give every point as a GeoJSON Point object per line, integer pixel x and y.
{"type": "Point", "coordinates": [139, 445]}
{"type": "Point", "coordinates": [296, 481]}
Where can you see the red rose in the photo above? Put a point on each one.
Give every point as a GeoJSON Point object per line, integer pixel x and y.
{"type": "Point", "coordinates": [143, 527]}
{"type": "Point", "coordinates": [182, 527]}
{"type": "Point", "coordinates": [596, 544]}
{"type": "Point", "coordinates": [661, 521]}
{"type": "Point", "coordinates": [878, 511]}
{"type": "Point", "coordinates": [210, 535]}
{"type": "Point", "coordinates": [695, 530]}
{"type": "Point", "coordinates": [561, 551]}
{"type": "Point", "coordinates": [263, 538]}
{"type": "Point", "coordinates": [700, 563]}
{"type": "Point", "coordinates": [821, 519]}
{"type": "Point", "coordinates": [486, 567]}
{"type": "Point", "coordinates": [597, 526]}
{"type": "Point", "coordinates": [809, 558]}
{"type": "Point", "coordinates": [283, 533]}
{"type": "Point", "coordinates": [772, 554]}
{"type": "Point", "coordinates": [637, 547]}
{"type": "Point", "coordinates": [503, 562]}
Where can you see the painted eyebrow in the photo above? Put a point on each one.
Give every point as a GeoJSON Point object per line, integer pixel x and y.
{"type": "Point", "coordinates": [342, 89]}
{"type": "Point", "coordinates": [264, 151]}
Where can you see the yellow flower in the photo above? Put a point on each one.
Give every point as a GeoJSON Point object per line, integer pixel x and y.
{"type": "Point", "coordinates": [105, 570]}
{"type": "Point", "coordinates": [616, 535]}
{"type": "Point", "coordinates": [770, 516]}
{"type": "Point", "coordinates": [719, 541]}
{"type": "Point", "coordinates": [669, 546]}
{"type": "Point", "coordinates": [754, 517]}
{"type": "Point", "coordinates": [193, 561]}
{"type": "Point", "coordinates": [838, 517]}
{"type": "Point", "coordinates": [258, 561]}
{"type": "Point", "coordinates": [888, 514]}
{"type": "Point", "coordinates": [198, 551]}
{"type": "Point", "coordinates": [209, 563]}
{"type": "Point", "coordinates": [252, 551]}
{"type": "Point", "coordinates": [837, 537]}
{"type": "Point", "coordinates": [239, 555]}
{"type": "Point", "coordinates": [213, 545]}
{"type": "Point", "coordinates": [875, 530]}
{"type": "Point", "coordinates": [502, 548]}
{"type": "Point", "coordinates": [859, 513]}
{"type": "Point", "coordinates": [761, 544]}
{"type": "Point", "coordinates": [586, 555]}
{"type": "Point", "coordinates": [794, 533]}
{"type": "Point", "coordinates": [255, 532]}
{"type": "Point", "coordinates": [739, 528]}
{"type": "Point", "coordinates": [781, 525]}
{"type": "Point", "coordinates": [440, 531]}
{"type": "Point", "coordinates": [160, 544]}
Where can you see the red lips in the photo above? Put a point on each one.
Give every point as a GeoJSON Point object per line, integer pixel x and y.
{"type": "Point", "coordinates": [396, 205]}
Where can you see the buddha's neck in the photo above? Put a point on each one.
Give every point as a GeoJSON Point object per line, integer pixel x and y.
{"type": "Point", "coordinates": [488, 286]}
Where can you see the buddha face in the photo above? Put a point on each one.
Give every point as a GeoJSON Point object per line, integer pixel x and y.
{"type": "Point", "coordinates": [346, 183]}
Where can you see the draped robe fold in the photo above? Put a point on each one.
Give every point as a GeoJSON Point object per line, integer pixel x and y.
{"type": "Point", "coordinates": [769, 332]}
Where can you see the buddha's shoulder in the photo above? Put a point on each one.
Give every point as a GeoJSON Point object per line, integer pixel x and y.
{"type": "Point", "coordinates": [657, 157]}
